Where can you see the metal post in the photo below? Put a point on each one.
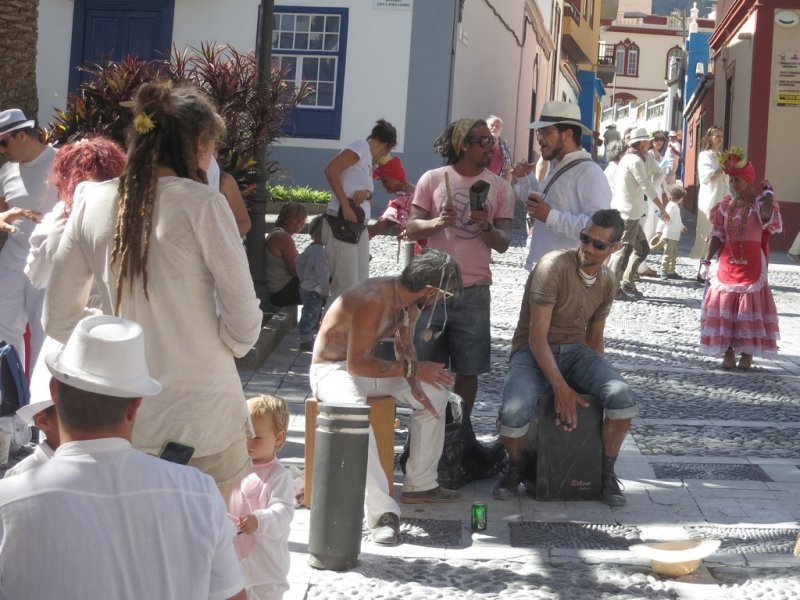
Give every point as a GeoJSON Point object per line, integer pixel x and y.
{"type": "Point", "coordinates": [255, 243]}
{"type": "Point", "coordinates": [340, 477]}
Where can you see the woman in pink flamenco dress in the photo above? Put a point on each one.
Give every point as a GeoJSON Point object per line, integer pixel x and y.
{"type": "Point", "coordinates": [739, 314]}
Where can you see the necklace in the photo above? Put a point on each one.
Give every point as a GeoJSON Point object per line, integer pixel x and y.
{"type": "Point", "coordinates": [729, 228]}
{"type": "Point", "coordinates": [406, 319]}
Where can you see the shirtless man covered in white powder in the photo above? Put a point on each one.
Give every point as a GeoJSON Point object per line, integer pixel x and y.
{"type": "Point", "coordinates": [344, 368]}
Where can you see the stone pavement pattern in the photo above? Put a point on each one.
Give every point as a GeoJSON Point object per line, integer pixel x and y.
{"type": "Point", "coordinates": [713, 453]}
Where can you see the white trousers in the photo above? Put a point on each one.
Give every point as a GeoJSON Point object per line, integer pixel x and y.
{"type": "Point", "coordinates": [20, 304]}
{"type": "Point", "coordinates": [331, 382]}
{"type": "Point", "coordinates": [267, 591]}
{"type": "Point", "coordinates": [348, 263]}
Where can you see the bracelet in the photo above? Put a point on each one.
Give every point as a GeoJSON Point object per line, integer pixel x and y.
{"type": "Point", "coordinates": [705, 261]}
{"type": "Point", "coordinates": [489, 228]}
{"type": "Point", "coordinates": [409, 368]}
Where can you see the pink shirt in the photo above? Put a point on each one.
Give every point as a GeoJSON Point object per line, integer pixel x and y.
{"type": "Point", "coordinates": [464, 242]}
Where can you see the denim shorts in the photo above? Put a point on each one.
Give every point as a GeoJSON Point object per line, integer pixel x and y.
{"type": "Point", "coordinates": [465, 346]}
{"type": "Point", "coordinates": [585, 371]}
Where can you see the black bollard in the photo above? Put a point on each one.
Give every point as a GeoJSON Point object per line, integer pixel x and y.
{"type": "Point", "coordinates": [340, 478]}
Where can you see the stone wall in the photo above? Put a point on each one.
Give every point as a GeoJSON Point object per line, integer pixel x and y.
{"type": "Point", "coordinates": [18, 36]}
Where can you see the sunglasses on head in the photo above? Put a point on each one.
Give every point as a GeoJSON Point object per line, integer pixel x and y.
{"type": "Point", "coordinates": [598, 244]}
{"type": "Point", "coordinates": [484, 142]}
{"type": "Point", "coordinates": [4, 143]}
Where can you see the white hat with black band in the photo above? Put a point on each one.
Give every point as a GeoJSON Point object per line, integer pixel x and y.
{"type": "Point", "coordinates": [560, 113]}
{"type": "Point", "coordinates": [14, 119]}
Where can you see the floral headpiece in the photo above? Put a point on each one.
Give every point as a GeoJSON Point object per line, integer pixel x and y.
{"type": "Point", "coordinates": [143, 123]}
{"type": "Point", "coordinates": [734, 158]}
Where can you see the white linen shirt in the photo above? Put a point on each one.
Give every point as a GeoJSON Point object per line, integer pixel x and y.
{"type": "Point", "coordinates": [574, 198]}
{"type": "Point", "coordinates": [41, 454]}
{"type": "Point", "coordinates": [631, 182]}
{"type": "Point", "coordinates": [196, 263]}
{"type": "Point", "coordinates": [102, 520]}
{"type": "Point", "coordinates": [673, 229]}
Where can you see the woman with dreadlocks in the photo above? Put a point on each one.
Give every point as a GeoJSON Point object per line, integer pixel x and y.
{"type": "Point", "coordinates": [164, 248]}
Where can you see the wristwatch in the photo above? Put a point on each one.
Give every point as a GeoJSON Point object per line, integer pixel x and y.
{"type": "Point", "coordinates": [488, 227]}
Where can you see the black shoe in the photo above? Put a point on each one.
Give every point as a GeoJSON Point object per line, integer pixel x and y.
{"type": "Point", "coordinates": [623, 294]}
{"type": "Point", "coordinates": [307, 346]}
{"type": "Point", "coordinates": [508, 487]}
{"type": "Point", "coordinates": [610, 492]}
{"type": "Point", "coordinates": [387, 530]}
{"type": "Point", "coordinates": [673, 276]}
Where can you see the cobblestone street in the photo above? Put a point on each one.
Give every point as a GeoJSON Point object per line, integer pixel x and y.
{"type": "Point", "coordinates": [712, 453]}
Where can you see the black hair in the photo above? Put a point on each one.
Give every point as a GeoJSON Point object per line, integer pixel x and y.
{"type": "Point", "coordinates": [577, 131]}
{"type": "Point", "coordinates": [609, 218]}
{"type": "Point", "coordinates": [444, 143]}
{"type": "Point", "coordinates": [384, 132]}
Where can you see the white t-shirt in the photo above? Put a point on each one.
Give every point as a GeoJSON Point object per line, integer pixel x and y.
{"type": "Point", "coordinates": [26, 185]}
{"type": "Point", "coordinates": [673, 229]}
{"type": "Point", "coordinates": [356, 177]}
{"type": "Point", "coordinates": [101, 520]}
{"type": "Point", "coordinates": [196, 262]}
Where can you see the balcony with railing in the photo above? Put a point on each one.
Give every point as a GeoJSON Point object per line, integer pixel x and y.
{"type": "Point", "coordinates": [606, 63]}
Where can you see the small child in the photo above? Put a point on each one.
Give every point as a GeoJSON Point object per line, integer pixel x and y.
{"type": "Point", "coordinates": [264, 503]}
{"type": "Point", "coordinates": [315, 286]}
{"type": "Point", "coordinates": [669, 234]}
{"type": "Point", "coordinates": [42, 415]}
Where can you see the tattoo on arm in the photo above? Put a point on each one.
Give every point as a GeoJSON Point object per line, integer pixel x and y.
{"type": "Point", "coordinates": [379, 365]}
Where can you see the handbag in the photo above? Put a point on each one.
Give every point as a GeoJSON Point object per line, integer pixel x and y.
{"type": "Point", "coordinates": [344, 230]}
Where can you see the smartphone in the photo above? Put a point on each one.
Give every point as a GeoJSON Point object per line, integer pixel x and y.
{"type": "Point", "coordinates": [176, 452]}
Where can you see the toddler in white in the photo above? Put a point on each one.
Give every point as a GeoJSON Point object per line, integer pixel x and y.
{"type": "Point", "coordinates": [669, 234]}
{"type": "Point", "coordinates": [263, 502]}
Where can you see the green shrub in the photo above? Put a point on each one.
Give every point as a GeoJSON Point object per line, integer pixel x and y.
{"type": "Point", "coordinates": [304, 195]}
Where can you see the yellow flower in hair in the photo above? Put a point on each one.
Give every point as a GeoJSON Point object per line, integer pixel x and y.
{"type": "Point", "coordinates": [144, 123]}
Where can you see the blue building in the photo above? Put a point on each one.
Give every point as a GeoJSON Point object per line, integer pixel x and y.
{"type": "Point", "coordinates": [592, 91]}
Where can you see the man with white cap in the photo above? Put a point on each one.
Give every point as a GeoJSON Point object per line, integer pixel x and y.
{"type": "Point", "coordinates": [631, 183]}
{"type": "Point", "coordinates": [24, 183]}
{"type": "Point", "coordinates": [575, 187]}
{"type": "Point", "coordinates": [42, 415]}
{"type": "Point", "coordinates": [146, 528]}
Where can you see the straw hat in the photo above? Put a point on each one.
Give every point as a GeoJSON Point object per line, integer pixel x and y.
{"type": "Point", "coordinates": [560, 113]}
{"type": "Point", "coordinates": [105, 355]}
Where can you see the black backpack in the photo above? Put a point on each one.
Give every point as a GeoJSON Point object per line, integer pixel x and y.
{"type": "Point", "coordinates": [14, 390]}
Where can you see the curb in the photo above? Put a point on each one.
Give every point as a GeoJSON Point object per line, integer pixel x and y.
{"type": "Point", "coordinates": [270, 336]}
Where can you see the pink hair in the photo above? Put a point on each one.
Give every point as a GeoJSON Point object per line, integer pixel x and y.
{"type": "Point", "coordinates": [91, 159]}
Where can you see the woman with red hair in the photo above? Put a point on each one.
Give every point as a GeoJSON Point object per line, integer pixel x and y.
{"type": "Point", "coordinates": [739, 313]}
{"type": "Point", "coordinates": [89, 160]}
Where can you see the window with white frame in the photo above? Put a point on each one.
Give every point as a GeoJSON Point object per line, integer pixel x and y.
{"type": "Point", "coordinates": [309, 43]}
{"type": "Point", "coordinates": [633, 61]}
{"type": "Point", "coordinates": [620, 52]}
{"type": "Point", "coordinates": [673, 56]}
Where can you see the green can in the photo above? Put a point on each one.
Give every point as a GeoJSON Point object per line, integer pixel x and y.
{"type": "Point", "coordinates": [479, 516]}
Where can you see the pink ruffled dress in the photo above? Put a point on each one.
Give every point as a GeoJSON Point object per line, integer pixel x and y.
{"type": "Point", "coordinates": [739, 311]}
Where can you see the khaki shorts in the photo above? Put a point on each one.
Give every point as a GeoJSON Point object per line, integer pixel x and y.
{"type": "Point", "coordinates": [230, 465]}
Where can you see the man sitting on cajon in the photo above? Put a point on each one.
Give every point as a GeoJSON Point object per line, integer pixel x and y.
{"type": "Point", "coordinates": [344, 368]}
{"type": "Point", "coordinates": [558, 345]}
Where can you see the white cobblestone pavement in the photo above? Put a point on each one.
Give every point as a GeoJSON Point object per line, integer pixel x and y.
{"type": "Point", "coordinates": [712, 453]}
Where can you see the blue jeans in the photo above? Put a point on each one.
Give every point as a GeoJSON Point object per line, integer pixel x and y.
{"type": "Point", "coordinates": [584, 370]}
{"type": "Point", "coordinates": [312, 306]}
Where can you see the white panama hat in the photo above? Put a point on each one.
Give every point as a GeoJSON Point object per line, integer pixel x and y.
{"type": "Point", "coordinates": [14, 119]}
{"type": "Point", "coordinates": [105, 355]}
{"type": "Point", "coordinates": [560, 113]}
{"type": "Point", "coordinates": [639, 135]}
{"type": "Point", "coordinates": [27, 412]}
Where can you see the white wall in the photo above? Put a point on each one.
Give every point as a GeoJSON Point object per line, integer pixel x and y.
{"type": "Point", "coordinates": [739, 65]}
{"type": "Point", "coordinates": [52, 60]}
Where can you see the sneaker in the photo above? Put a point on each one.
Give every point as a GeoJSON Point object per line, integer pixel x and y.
{"type": "Point", "coordinates": [508, 487]}
{"type": "Point", "coordinates": [610, 492]}
{"type": "Point", "coordinates": [673, 276]}
{"type": "Point", "coordinates": [387, 530]}
{"type": "Point", "coordinates": [437, 494]}
{"type": "Point", "coordinates": [307, 346]}
{"type": "Point", "coordinates": [663, 276]}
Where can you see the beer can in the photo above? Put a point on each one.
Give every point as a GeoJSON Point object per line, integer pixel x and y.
{"type": "Point", "coordinates": [479, 516]}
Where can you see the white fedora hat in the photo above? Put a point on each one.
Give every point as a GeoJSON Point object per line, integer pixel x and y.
{"type": "Point", "coordinates": [27, 412]}
{"type": "Point", "coordinates": [105, 355]}
{"type": "Point", "coordinates": [560, 113]}
{"type": "Point", "coordinates": [639, 135]}
{"type": "Point", "coordinates": [13, 119]}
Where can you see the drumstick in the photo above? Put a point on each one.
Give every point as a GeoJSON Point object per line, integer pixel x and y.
{"type": "Point", "coordinates": [449, 203]}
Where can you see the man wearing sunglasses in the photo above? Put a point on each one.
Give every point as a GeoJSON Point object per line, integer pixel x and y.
{"type": "Point", "coordinates": [442, 213]}
{"type": "Point", "coordinates": [24, 183]}
{"type": "Point", "coordinates": [344, 368]}
{"type": "Point", "coordinates": [558, 347]}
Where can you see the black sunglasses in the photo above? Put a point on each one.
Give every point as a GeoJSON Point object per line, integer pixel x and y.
{"type": "Point", "coordinates": [485, 142]}
{"type": "Point", "coordinates": [599, 244]}
{"type": "Point", "coordinates": [4, 143]}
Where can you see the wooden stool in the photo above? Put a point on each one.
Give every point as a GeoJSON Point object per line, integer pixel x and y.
{"type": "Point", "coordinates": [564, 465]}
{"type": "Point", "coordinates": [381, 417]}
